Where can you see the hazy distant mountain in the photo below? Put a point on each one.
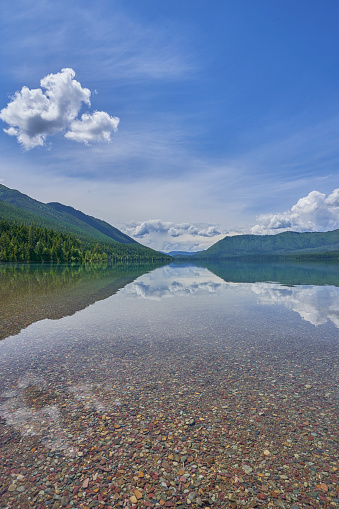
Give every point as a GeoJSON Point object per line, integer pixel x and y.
{"type": "Point", "coordinates": [283, 244]}
{"type": "Point", "coordinates": [16, 206]}
{"type": "Point", "coordinates": [183, 253]}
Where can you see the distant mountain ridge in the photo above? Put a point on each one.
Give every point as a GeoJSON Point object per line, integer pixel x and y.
{"type": "Point", "coordinates": [280, 245]}
{"type": "Point", "coordinates": [184, 253]}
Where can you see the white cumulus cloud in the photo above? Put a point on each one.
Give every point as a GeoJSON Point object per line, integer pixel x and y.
{"type": "Point", "coordinates": [34, 114]}
{"type": "Point", "coordinates": [93, 128]}
{"type": "Point", "coordinates": [314, 212]}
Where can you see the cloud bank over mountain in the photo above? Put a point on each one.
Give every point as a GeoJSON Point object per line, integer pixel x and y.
{"type": "Point", "coordinates": [170, 236]}
{"type": "Point", "coordinates": [140, 229]}
{"type": "Point", "coordinates": [314, 212]}
{"type": "Point", "coordinates": [35, 114]}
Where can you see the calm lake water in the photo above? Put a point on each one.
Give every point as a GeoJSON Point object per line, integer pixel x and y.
{"type": "Point", "coordinates": [249, 345]}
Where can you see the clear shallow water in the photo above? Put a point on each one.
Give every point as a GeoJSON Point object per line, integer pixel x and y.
{"type": "Point", "coordinates": [96, 340]}
{"type": "Point", "coordinates": [187, 306]}
{"type": "Point", "coordinates": [185, 303]}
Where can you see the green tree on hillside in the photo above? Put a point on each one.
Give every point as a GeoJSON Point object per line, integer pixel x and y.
{"type": "Point", "coordinates": [20, 243]}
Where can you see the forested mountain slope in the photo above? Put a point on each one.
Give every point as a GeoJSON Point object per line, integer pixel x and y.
{"type": "Point", "coordinates": [58, 217]}
{"type": "Point", "coordinates": [89, 235]}
{"type": "Point", "coordinates": [282, 244]}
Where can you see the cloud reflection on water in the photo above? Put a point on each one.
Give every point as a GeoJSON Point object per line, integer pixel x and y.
{"type": "Point", "coordinates": [315, 304]}
{"type": "Point", "coordinates": [172, 281]}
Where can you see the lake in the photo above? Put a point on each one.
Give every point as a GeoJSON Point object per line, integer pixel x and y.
{"type": "Point", "coordinates": [174, 386]}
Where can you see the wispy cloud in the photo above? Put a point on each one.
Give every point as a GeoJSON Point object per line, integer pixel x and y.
{"type": "Point", "coordinates": [35, 114]}
{"type": "Point", "coordinates": [132, 48]}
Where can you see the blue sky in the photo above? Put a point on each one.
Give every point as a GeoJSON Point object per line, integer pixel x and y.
{"type": "Point", "coordinates": [183, 120]}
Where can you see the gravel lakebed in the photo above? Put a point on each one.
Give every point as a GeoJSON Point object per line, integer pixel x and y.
{"type": "Point", "coordinates": [172, 424]}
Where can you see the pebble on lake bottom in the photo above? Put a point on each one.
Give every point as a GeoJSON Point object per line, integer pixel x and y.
{"type": "Point", "coordinates": [237, 425]}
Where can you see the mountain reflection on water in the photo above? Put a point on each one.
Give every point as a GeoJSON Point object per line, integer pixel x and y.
{"type": "Point", "coordinates": [31, 293]}
{"type": "Point", "coordinates": [34, 292]}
